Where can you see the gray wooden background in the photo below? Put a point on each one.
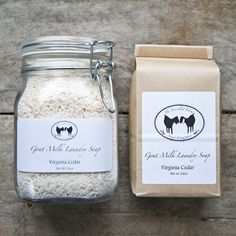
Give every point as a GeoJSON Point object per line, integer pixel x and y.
{"type": "Point", "coordinates": [126, 22]}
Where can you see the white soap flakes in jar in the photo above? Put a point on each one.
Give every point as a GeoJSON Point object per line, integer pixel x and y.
{"type": "Point", "coordinates": [66, 121]}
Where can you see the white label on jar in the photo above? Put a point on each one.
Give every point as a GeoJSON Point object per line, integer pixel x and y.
{"type": "Point", "coordinates": [178, 138]}
{"type": "Point", "coordinates": [64, 145]}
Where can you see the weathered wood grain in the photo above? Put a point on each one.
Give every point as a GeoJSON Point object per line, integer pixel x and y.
{"type": "Point", "coordinates": [124, 22]}
{"type": "Point", "coordinates": [125, 214]}
{"type": "Point", "coordinates": [118, 224]}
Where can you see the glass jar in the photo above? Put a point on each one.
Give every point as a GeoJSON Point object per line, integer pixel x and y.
{"type": "Point", "coordinates": [66, 121]}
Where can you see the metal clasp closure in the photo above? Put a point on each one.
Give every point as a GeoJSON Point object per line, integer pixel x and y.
{"type": "Point", "coordinates": [109, 76]}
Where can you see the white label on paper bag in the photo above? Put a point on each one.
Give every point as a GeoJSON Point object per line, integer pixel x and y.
{"type": "Point", "coordinates": [178, 138]}
{"type": "Point", "coordinates": [64, 145]}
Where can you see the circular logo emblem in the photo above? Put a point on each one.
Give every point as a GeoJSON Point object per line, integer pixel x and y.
{"type": "Point", "coordinates": [179, 122]}
{"type": "Point", "coordinates": [64, 130]}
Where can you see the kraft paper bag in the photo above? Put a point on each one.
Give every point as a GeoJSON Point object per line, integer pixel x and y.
{"type": "Point", "coordinates": [175, 122]}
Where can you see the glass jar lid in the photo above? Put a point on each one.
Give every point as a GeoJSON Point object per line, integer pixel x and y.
{"type": "Point", "coordinates": [65, 45]}
{"type": "Point", "coordinates": [68, 52]}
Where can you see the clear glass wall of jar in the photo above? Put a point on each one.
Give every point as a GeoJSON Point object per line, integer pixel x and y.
{"type": "Point", "coordinates": [66, 121]}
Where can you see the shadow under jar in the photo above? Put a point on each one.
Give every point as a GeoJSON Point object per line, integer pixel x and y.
{"type": "Point", "coordinates": [66, 121]}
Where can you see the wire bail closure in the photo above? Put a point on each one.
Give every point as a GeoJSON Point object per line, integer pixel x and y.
{"type": "Point", "coordinates": [110, 72]}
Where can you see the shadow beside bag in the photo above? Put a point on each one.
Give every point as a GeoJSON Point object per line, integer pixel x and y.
{"type": "Point", "coordinates": [175, 122]}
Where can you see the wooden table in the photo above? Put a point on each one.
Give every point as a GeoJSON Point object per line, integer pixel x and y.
{"type": "Point", "coordinates": [126, 22]}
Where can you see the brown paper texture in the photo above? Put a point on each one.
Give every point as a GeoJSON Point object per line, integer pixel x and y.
{"type": "Point", "coordinates": [170, 68]}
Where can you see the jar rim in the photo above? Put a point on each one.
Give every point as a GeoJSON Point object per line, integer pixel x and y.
{"type": "Point", "coordinates": [64, 44]}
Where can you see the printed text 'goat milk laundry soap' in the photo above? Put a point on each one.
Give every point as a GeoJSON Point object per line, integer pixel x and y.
{"type": "Point", "coordinates": [66, 121]}
{"type": "Point", "coordinates": [175, 122]}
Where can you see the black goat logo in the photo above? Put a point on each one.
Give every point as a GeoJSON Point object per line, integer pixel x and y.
{"type": "Point", "coordinates": [179, 122]}
{"type": "Point", "coordinates": [189, 122]}
{"type": "Point", "coordinates": [64, 130]}
{"type": "Point", "coordinates": [169, 123]}
{"type": "Point", "coordinates": [59, 130]}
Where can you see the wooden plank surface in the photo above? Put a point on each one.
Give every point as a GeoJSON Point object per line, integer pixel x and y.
{"type": "Point", "coordinates": [126, 23]}
{"type": "Point", "coordinates": [125, 214]}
